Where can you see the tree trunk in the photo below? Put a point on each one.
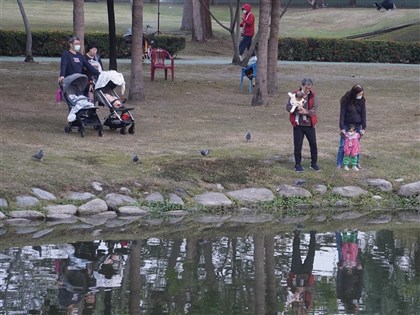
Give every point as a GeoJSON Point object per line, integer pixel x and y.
{"type": "Point", "coordinates": [197, 31]}
{"type": "Point", "coordinates": [134, 263]}
{"type": "Point", "coordinates": [259, 288]}
{"type": "Point", "coordinates": [273, 42]}
{"type": "Point", "coordinates": [28, 50]}
{"type": "Point", "coordinates": [206, 19]}
{"type": "Point", "coordinates": [270, 271]}
{"type": "Point", "coordinates": [136, 91]}
{"type": "Point", "coordinates": [260, 96]}
{"type": "Point", "coordinates": [187, 16]}
{"type": "Point", "coordinates": [112, 36]}
{"type": "Point", "coordinates": [79, 22]}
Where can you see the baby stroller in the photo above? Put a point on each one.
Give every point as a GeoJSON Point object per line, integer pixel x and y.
{"type": "Point", "coordinates": [82, 112]}
{"type": "Point", "coordinates": [119, 116]}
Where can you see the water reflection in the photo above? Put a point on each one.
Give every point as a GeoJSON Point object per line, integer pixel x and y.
{"type": "Point", "coordinates": [350, 270]}
{"type": "Point", "coordinates": [299, 272]}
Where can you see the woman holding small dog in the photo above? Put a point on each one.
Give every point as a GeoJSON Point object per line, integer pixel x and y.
{"type": "Point", "coordinates": [352, 112]}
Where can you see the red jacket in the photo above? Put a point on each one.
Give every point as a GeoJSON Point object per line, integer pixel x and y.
{"type": "Point", "coordinates": [313, 117]}
{"type": "Point", "coordinates": [248, 21]}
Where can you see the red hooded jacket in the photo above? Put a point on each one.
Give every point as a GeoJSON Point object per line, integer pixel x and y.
{"type": "Point", "coordinates": [248, 21]}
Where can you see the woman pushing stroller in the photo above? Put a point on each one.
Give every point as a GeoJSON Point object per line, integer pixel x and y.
{"type": "Point", "coordinates": [72, 61]}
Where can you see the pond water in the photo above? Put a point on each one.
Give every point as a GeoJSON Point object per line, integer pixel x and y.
{"type": "Point", "coordinates": [298, 272]}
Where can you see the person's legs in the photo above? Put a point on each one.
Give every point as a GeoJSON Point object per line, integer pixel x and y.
{"type": "Point", "coordinates": [244, 44]}
{"type": "Point", "coordinates": [346, 160]}
{"type": "Point", "coordinates": [340, 152]}
{"type": "Point", "coordinates": [296, 260]}
{"type": "Point", "coordinates": [311, 136]}
{"type": "Point", "coordinates": [298, 135]}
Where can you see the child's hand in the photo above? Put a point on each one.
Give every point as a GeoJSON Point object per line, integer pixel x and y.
{"type": "Point", "coordinates": [362, 132]}
{"type": "Point", "coordinates": [343, 131]}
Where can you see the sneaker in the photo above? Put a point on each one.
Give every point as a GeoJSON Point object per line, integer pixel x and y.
{"type": "Point", "coordinates": [346, 168]}
{"type": "Point", "coordinates": [338, 167]}
{"type": "Point", "coordinates": [355, 168]}
{"type": "Point", "coordinates": [315, 167]}
{"type": "Point", "coordinates": [359, 166]}
{"type": "Point", "coordinates": [299, 168]}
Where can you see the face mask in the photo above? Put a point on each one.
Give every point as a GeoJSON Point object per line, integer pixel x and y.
{"type": "Point", "coordinates": [244, 11]}
{"type": "Point", "coordinates": [359, 97]}
{"type": "Point", "coordinates": [77, 47]}
{"type": "Point", "coordinates": [351, 133]}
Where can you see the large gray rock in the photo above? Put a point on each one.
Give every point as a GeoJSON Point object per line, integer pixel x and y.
{"type": "Point", "coordinates": [212, 219]}
{"type": "Point", "coordinates": [292, 191]}
{"type": "Point", "coordinates": [154, 197]}
{"type": "Point", "coordinates": [3, 203]}
{"type": "Point", "coordinates": [410, 217]}
{"type": "Point", "coordinates": [42, 233]}
{"type": "Point", "coordinates": [252, 219]}
{"type": "Point", "coordinates": [320, 189]}
{"type": "Point", "coordinates": [79, 196]}
{"type": "Point", "coordinates": [175, 200]}
{"type": "Point", "coordinates": [213, 199]}
{"type": "Point", "coordinates": [348, 216]}
{"type": "Point", "coordinates": [116, 200]}
{"type": "Point", "coordinates": [26, 201]}
{"type": "Point", "coordinates": [2, 216]}
{"type": "Point", "coordinates": [42, 194]}
{"type": "Point", "coordinates": [252, 194]}
{"type": "Point", "coordinates": [26, 214]}
{"type": "Point", "coordinates": [349, 191]}
{"type": "Point", "coordinates": [409, 190]}
{"type": "Point", "coordinates": [92, 207]}
{"type": "Point", "coordinates": [382, 184]}
{"type": "Point", "coordinates": [133, 210]}
{"type": "Point", "coordinates": [94, 220]}
{"type": "Point", "coordinates": [61, 209]}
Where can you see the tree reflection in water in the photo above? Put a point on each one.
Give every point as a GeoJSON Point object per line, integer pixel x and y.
{"type": "Point", "coordinates": [279, 273]}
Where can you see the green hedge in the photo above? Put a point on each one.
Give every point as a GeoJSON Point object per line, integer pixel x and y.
{"type": "Point", "coordinates": [347, 50]}
{"type": "Point", "coordinates": [52, 44]}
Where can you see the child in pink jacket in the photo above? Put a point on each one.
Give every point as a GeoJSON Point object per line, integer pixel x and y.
{"type": "Point", "coordinates": [351, 148]}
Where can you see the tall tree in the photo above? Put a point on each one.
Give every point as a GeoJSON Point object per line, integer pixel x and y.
{"type": "Point", "coordinates": [206, 19]}
{"type": "Point", "coordinates": [28, 49]}
{"type": "Point", "coordinates": [112, 36]}
{"type": "Point", "coordinates": [260, 95]}
{"type": "Point", "coordinates": [136, 90]}
{"type": "Point", "coordinates": [134, 260]}
{"type": "Point", "coordinates": [197, 31]}
{"type": "Point", "coordinates": [79, 22]}
{"type": "Point", "coordinates": [260, 282]}
{"type": "Point", "coordinates": [187, 16]}
{"type": "Point", "coordinates": [273, 44]}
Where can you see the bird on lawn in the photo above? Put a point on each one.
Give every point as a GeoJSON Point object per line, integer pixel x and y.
{"type": "Point", "coordinates": [204, 152]}
{"type": "Point", "coordinates": [38, 156]}
{"type": "Point", "coordinates": [248, 136]}
{"type": "Point", "coordinates": [135, 159]}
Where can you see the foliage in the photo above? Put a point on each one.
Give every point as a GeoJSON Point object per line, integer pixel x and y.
{"type": "Point", "coordinates": [347, 50]}
{"type": "Point", "coordinates": [52, 44]}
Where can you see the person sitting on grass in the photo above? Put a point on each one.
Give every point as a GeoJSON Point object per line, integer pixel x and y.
{"type": "Point", "coordinates": [386, 4]}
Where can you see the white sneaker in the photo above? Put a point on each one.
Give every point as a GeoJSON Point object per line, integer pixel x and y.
{"type": "Point", "coordinates": [355, 168]}
{"type": "Point", "coordinates": [346, 168]}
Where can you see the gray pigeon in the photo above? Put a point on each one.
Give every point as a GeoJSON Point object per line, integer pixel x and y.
{"type": "Point", "coordinates": [204, 152]}
{"type": "Point", "coordinates": [135, 159]}
{"type": "Point", "coordinates": [38, 156]}
{"type": "Point", "coordinates": [248, 136]}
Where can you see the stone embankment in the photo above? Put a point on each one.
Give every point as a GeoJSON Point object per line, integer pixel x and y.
{"type": "Point", "coordinates": [121, 209]}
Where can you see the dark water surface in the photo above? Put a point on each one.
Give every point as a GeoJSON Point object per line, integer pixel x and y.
{"type": "Point", "coordinates": [301, 272]}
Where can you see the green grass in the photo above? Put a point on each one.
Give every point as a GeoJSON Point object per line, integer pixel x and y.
{"type": "Point", "coordinates": [328, 23]}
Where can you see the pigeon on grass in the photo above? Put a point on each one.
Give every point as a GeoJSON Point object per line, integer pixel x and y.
{"type": "Point", "coordinates": [38, 156]}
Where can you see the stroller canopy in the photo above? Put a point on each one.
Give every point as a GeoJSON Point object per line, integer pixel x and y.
{"type": "Point", "coordinates": [110, 76]}
{"type": "Point", "coordinates": [80, 81]}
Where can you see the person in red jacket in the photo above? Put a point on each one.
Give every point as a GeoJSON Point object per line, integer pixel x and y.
{"type": "Point", "coordinates": [247, 24]}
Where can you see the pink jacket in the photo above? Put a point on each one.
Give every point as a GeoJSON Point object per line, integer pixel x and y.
{"type": "Point", "coordinates": [352, 145]}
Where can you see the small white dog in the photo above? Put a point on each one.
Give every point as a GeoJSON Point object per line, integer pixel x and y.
{"type": "Point", "coordinates": [297, 101]}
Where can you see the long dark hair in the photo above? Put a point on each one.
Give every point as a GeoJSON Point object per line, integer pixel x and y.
{"type": "Point", "coordinates": [351, 95]}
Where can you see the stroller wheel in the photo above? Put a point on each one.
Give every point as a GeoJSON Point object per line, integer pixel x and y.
{"type": "Point", "coordinates": [67, 129]}
{"type": "Point", "coordinates": [131, 129]}
{"type": "Point", "coordinates": [100, 133]}
{"type": "Point", "coordinates": [122, 131]}
{"type": "Point", "coordinates": [112, 128]}
{"type": "Point", "coordinates": [82, 132]}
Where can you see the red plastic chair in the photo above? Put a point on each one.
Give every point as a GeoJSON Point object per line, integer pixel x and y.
{"type": "Point", "coordinates": [161, 59]}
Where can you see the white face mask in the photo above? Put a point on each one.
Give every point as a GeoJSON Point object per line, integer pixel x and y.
{"type": "Point", "coordinates": [359, 97]}
{"type": "Point", "coordinates": [77, 47]}
{"type": "Point", "coordinates": [244, 11]}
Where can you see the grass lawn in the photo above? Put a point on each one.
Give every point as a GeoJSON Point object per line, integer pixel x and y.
{"type": "Point", "coordinates": [202, 108]}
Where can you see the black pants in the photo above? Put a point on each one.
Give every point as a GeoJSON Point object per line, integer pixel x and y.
{"type": "Point", "coordinates": [299, 132]}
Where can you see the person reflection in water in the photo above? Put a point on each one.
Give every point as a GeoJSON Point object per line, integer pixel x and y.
{"type": "Point", "coordinates": [301, 281]}
{"type": "Point", "coordinates": [350, 270]}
